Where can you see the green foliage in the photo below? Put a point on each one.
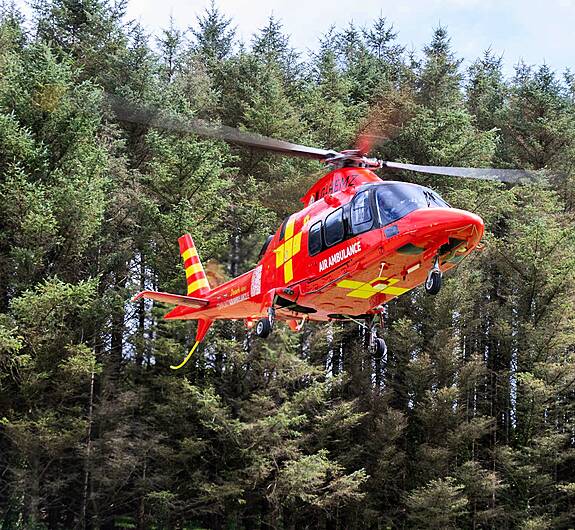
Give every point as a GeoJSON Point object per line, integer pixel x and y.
{"type": "Point", "coordinates": [306, 479]}
{"type": "Point", "coordinates": [439, 81]}
{"type": "Point", "coordinates": [438, 504]}
{"type": "Point", "coordinates": [214, 36]}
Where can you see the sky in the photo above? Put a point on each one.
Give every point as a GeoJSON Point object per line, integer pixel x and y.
{"type": "Point", "coordinates": [533, 31]}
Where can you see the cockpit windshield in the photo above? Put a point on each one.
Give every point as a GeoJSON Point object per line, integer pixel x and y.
{"type": "Point", "coordinates": [396, 199]}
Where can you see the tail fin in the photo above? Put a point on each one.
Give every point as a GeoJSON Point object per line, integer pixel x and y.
{"type": "Point", "coordinates": [196, 277]}
{"type": "Point", "coordinates": [198, 285]}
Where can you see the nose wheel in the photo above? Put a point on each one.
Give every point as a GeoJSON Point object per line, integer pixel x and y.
{"type": "Point", "coordinates": [434, 279]}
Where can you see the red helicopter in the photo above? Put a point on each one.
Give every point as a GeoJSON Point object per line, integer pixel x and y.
{"type": "Point", "coordinates": [358, 242]}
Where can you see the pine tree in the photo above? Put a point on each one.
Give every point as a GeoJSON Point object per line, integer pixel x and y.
{"type": "Point", "coordinates": [381, 41]}
{"type": "Point", "coordinates": [328, 107]}
{"type": "Point", "coordinates": [271, 45]}
{"type": "Point", "coordinates": [170, 45]}
{"type": "Point", "coordinates": [91, 31]}
{"type": "Point", "coordinates": [440, 79]}
{"type": "Point", "coordinates": [486, 91]}
{"type": "Point", "coordinates": [538, 123]}
{"type": "Point", "coordinates": [439, 504]}
{"type": "Point", "coordinates": [214, 36]}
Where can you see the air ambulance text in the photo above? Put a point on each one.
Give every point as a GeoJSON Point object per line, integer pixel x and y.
{"type": "Point", "coordinates": [338, 256]}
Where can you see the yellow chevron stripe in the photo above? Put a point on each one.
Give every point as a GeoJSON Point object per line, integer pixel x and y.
{"type": "Point", "coordinates": [280, 255]}
{"type": "Point", "coordinates": [296, 243]}
{"type": "Point", "coordinates": [288, 249]}
{"type": "Point", "coordinates": [395, 291]}
{"type": "Point", "coordinates": [289, 228]}
{"type": "Point", "coordinates": [350, 284]}
{"type": "Point", "coordinates": [192, 269]}
{"type": "Point", "coordinates": [188, 253]}
{"type": "Point", "coordinates": [198, 284]}
{"type": "Point", "coordinates": [288, 271]}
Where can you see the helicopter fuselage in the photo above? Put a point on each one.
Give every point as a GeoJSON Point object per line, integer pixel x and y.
{"type": "Point", "coordinates": [358, 243]}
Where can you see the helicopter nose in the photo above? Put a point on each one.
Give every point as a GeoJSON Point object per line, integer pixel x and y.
{"type": "Point", "coordinates": [461, 218]}
{"type": "Point", "coordinates": [470, 220]}
{"type": "Point", "coordinates": [459, 223]}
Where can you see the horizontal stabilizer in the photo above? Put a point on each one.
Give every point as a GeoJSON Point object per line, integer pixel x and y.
{"type": "Point", "coordinates": [174, 299]}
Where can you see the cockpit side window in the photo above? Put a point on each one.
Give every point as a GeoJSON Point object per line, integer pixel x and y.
{"type": "Point", "coordinates": [395, 201]}
{"type": "Point", "coordinates": [361, 215]}
{"type": "Point", "coordinates": [435, 200]}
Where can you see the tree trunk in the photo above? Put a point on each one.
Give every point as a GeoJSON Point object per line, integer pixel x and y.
{"type": "Point", "coordinates": [88, 462]}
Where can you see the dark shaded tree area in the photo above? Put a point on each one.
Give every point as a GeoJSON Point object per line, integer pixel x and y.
{"type": "Point", "coordinates": [468, 420]}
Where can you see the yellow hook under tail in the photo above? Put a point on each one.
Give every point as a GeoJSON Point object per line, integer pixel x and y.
{"type": "Point", "coordinates": [187, 358]}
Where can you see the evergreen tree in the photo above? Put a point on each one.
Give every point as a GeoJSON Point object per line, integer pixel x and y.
{"type": "Point", "coordinates": [440, 80]}
{"type": "Point", "coordinates": [381, 41]}
{"type": "Point", "coordinates": [328, 108]}
{"type": "Point", "coordinates": [214, 36]}
{"type": "Point", "coordinates": [539, 121]}
{"type": "Point", "coordinates": [170, 45]}
{"type": "Point", "coordinates": [486, 91]}
{"type": "Point", "coordinates": [91, 31]}
{"type": "Point", "coordinates": [272, 47]}
{"type": "Point", "coordinates": [437, 505]}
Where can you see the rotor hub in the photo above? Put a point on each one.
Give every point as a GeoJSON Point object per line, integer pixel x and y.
{"type": "Point", "coordinates": [352, 158]}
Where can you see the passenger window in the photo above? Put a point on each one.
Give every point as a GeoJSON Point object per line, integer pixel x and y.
{"type": "Point", "coordinates": [334, 229]}
{"type": "Point", "coordinates": [315, 243]}
{"type": "Point", "coordinates": [361, 218]}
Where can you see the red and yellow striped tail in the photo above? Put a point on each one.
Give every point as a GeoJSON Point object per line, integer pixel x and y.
{"type": "Point", "coordinates": [196, 277]}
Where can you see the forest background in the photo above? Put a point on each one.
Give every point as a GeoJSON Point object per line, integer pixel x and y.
{"type": "Point", "coordinates": [468, 420]}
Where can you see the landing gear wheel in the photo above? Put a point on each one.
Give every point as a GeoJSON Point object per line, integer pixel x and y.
{"type": "Point", "coordinates": [263, 328]}
{"type": "Point", "coordinates": [380, 348]}
{"type": "Point", "coordinates": [433, 282]}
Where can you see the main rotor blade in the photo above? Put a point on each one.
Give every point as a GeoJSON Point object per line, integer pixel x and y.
{"type": "Point", "coordinates": [154, 118]}
{"type": "Point", "coordinates": [512, 176]}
